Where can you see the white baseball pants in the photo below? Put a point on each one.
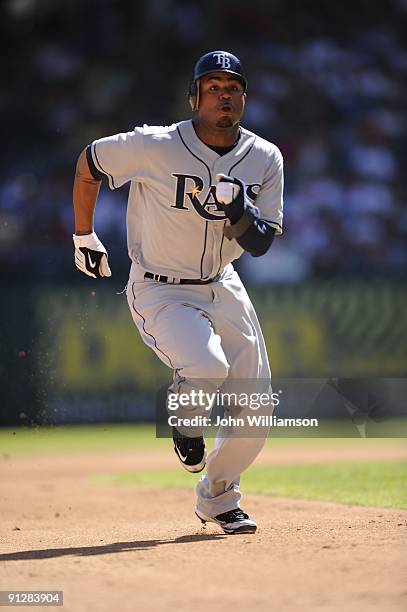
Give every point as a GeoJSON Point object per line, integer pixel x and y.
{"type": "Point", "coordinates": [210, 336]}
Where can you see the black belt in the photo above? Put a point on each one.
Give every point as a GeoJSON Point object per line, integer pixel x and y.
{"type": "Point", "coordinates": [180, 281]}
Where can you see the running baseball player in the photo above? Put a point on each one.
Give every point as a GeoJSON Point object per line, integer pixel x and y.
{"type": "Point", "coordinates": [202, 191]}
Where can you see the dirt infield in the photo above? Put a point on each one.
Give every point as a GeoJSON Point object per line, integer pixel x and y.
{"type": "Point", "coordinates": [126, 548]}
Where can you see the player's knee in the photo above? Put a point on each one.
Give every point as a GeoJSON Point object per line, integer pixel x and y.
{"type": "Point", "coordinates": [214, 368]}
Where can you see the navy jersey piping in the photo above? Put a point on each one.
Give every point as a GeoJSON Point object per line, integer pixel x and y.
{"type": "Point", "coordinates": [204, 248]}
{"type": "Point", "coordinates": [220, 250]}
{"type": "Point", "coordinates": [101, 168]}
{"type": "Point", "coordinates": [241, 159]}
{"type": "Point", "coordinates": [210, 183]}
{"type": "Point", "coordinates": [196, 156]}
{"type": "Point", "coordinates": [144, 328]}
{"type": "Point", "coordinates": [97, 175]}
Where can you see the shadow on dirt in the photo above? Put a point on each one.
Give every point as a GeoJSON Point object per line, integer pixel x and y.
{"type": "Point", "coordinates": [117, 547]}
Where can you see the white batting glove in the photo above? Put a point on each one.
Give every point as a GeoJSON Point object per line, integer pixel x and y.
{"type": "Point", "coordinates": [227, 189]}
{"type": "Point", "coordinates": [91, 256]}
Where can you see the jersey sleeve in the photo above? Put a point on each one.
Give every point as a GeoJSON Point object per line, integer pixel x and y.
{"type": "Point", "coordinates": [119, 158]}
{"type": "Point", "coordinates": [270, 196]}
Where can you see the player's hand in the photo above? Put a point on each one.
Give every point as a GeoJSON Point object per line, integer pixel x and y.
{"type": "Point", "coordinates": [91, 256]}
{"type": "Point", "coordinates": [227, 189]}
{"type": "Point", "coordinates": [230, 193]}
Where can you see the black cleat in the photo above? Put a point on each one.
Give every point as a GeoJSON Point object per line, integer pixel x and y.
{"type": "Point", "coordinates": [234, 521]}
{"type": "Point", "coordinates": [190, 451]}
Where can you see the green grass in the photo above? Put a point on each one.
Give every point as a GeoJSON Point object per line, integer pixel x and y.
{"type": "Point", "coordinates": [366, 484]}
{"type": "Point", "coordinates": [79, 439]}
{"type": "Point", "coordinates": [372, 483]}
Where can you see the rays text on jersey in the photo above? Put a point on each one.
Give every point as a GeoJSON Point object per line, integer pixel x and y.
{"type": "Point", "coordinates": [190, 189]}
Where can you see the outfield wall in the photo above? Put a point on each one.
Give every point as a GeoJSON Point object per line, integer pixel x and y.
{"type": "Point", "coordinates": [73, 354]}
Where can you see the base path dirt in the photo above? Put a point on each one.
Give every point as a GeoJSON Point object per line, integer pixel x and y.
{"type": "Point", "coordinates": [127, 548]}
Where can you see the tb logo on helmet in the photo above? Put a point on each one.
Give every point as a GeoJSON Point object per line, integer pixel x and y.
{"type": "Point", "coordinates": [222, 60]}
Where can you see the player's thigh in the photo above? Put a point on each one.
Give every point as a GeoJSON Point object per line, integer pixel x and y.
{"type": "Point", "coordinates": [182, 336]}
{"type": "Point", "coordinates": [241, 335]}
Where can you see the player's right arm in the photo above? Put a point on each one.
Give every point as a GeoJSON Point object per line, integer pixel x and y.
{"type": "Point", "coordinates": [85, 192]}
{"type": "Point", "coordinates": [117, 159]}
{"type": "Point", "coordinates": [90, 254]}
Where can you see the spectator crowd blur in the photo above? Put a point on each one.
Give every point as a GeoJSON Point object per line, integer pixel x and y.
{"type": "Point", "coordinates": [327, 84]}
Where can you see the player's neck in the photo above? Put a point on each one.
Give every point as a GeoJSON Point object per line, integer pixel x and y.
{"type": "Point", "coordinates": [217, 137]}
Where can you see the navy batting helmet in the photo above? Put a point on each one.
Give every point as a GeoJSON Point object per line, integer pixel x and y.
{"type": "Point", "coordinates": [215, 61]}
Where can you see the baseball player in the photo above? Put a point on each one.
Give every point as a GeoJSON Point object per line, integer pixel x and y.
{"type": "Point", "coordinates": [202, 191]}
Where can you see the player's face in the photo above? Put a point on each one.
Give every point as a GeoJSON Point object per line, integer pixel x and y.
{"type": "Point", "coordinates": [221, 100]}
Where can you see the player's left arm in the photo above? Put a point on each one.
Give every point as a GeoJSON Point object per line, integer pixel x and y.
{"type": "Point", "coordinates": [254, 227]}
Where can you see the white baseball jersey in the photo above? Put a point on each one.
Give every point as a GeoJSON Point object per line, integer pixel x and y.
{"type": "Point", "coordinates": [174, 223]}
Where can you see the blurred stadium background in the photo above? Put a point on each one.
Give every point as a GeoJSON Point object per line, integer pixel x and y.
{"type": "Point", "coordinates": [327, 84]}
